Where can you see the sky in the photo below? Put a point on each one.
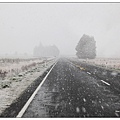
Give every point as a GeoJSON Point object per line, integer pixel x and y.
{"type": "Point", "coordinates": [24, 25]}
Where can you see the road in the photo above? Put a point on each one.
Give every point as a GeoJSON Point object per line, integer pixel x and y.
{"type": "Point", "coordinates": [70, 91]}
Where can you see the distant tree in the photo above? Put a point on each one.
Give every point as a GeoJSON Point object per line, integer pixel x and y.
{"type": "Point", "coordinates": [86, 47]}
{"type": "Point", "coordinates": [45, 51]}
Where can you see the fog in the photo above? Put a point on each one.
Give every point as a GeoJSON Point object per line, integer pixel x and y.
{"type": "Point", "coordinates": [24, 26]}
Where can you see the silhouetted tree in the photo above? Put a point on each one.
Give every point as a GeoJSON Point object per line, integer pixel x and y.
{"type": "Point", "coordinates": [86, 47]}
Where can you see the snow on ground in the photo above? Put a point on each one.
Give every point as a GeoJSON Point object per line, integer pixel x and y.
{"type": "Point", "coordinates": [108, 63]}
{"type": "Point", "coordinates": [12, 86]}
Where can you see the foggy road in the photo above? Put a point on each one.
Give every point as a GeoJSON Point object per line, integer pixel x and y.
{"type": "Point", "coordinates": [70, 91]}
{"type": "Point", "coordinates": [67, 53]}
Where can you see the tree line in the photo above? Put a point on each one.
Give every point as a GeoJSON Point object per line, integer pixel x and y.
{"type": "Point", "coordinates": [45, 51]}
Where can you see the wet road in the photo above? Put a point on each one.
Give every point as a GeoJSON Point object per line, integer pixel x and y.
{"type": "Point", "coordinates": [71, 92]}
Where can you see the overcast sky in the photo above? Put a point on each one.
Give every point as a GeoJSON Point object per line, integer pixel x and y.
{"type": "Point", "coordinates": [23, 26]}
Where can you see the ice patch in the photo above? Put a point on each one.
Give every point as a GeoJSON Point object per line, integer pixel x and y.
{"type": "Point", "coordinates": [117, 111]}
{"type": "Point", "coordinates": [77, 109]}
{"type": "Point", "coordinates": [84, 99]}
{"type": "Point", "coordinates": [88, 73]}
{"type": "Point", "coordinates": [83, 109]}
{"type": "Point", "coordinates": [102, 107]}
{"type": "Point", "coordinates": [114, 73]}
{"type": "Point", "coordinates": [63, 89]}
{"type": "Point", "coordinates": [117, 114]}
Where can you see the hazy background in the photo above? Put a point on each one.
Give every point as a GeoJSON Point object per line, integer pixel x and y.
{"type": "Point", "coordinates": [23, 26]}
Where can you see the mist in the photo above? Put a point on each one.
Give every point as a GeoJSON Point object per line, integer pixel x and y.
{"type": "Point", "coordinates": [24, 25]}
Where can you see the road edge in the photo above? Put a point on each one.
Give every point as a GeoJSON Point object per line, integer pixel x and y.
{"type": "Point", "coordinates": [22, 111]}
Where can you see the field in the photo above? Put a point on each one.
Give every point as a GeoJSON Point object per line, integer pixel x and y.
{"type": "Point", "coordinates": [17, 74]}
{"type": "Point", "coordinates": [108, 63]}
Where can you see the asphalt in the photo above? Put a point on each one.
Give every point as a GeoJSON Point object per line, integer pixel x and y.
{"type": "Point", "coordinates": [72, 91]}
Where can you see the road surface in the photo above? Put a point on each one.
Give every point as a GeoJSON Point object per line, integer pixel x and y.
{"type": "Point", "coordinates": [70, 91]}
